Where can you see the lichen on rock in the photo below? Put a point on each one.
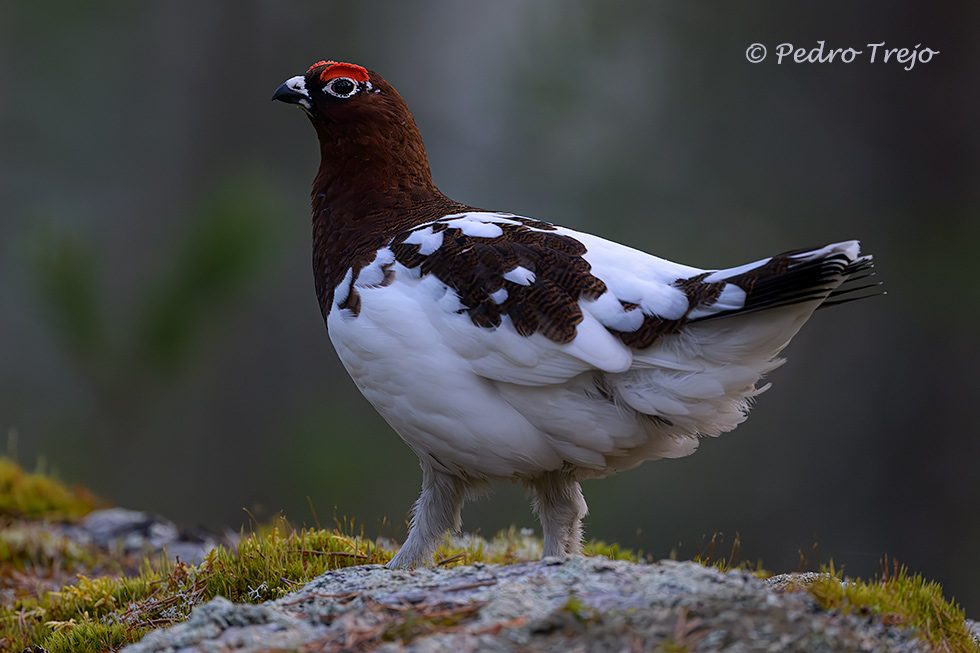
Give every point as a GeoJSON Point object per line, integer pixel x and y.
{"type": "Point", "coordinates": [592, 604]}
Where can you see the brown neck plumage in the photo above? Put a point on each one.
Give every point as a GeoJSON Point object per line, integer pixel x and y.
{"type": "Point", "coordinates": [374, 181]}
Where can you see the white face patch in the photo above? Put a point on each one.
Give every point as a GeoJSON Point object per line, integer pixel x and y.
{"type": "Point", "coordinates": [298, 84]}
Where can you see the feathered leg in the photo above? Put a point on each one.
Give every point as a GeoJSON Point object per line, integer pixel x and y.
{"type": "Point", "coordinates": [436, 511]}
{"type": "Point", "coordinates": [560, 507]}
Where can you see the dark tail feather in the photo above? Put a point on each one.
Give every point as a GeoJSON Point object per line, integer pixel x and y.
{"type": "Point", "coordinates": [830, 275]}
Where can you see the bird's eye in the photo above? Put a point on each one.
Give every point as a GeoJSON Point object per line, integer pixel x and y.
{"type": "Point", "coordinates": [342, 87]}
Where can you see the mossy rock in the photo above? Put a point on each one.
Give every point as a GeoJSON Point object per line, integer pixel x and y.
{"type": "Point", "coordinates": [62, 595]}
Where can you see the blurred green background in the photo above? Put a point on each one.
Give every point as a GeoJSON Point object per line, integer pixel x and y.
{"type": "Point", "coordinates": [160, 341]}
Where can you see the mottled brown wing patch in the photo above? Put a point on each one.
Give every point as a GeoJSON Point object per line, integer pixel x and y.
{"type": "Point", "coordinates": [652, 329]}
{"type": "Point", "coordinates": [531, 222]}
{"type": "Point", "coordinates": [475, 266]}
{"type": "Point", "coordinates": [699, 293]}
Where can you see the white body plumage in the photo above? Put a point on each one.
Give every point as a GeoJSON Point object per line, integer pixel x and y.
{"type": "Point", "coordinates": [476, 403]}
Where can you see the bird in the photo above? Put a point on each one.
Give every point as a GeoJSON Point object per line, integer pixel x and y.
{"type": "Point", "coordinates": [499, 346]}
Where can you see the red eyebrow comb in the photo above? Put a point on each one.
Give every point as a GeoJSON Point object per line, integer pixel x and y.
{"type": "Point", "coordinates": [336, 69]}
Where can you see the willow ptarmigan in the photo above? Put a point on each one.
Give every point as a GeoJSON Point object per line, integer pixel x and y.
{"type": "Point", "coordinates": [502, 347]}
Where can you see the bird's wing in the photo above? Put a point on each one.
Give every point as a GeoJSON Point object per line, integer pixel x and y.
{"type": "Point", "coordinates": [532, 303]}
{"type": "Point", "coordinates": [541, 304]}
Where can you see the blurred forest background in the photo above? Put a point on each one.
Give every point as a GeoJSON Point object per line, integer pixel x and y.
{"type": "Point", "coordinates": [160, 341]}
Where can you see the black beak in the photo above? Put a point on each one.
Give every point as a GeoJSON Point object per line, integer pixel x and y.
{"type": "Point", "coordinates": [288, 95]}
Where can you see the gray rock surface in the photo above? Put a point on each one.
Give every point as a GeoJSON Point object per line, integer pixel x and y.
{"type": "Point", "coordinates": [132, 532]}
{"type": "Point", "coordinates": [584, 604]}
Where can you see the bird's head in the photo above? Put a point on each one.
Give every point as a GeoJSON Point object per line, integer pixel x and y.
{"type": "Point", "coordinates": [363, 124]}
{"type": "Point", "coordinates": [331, 90]}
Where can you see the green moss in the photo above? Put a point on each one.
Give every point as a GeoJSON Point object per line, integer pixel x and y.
{"type": "Point", "coordinates": [271, 563]}
{"type": "Point", "coordinates": [265, 565]}
{"type": "Point", "coordinates": [90, 637]}
{"type": "Point", "coordinates": [899, 598]}
{"type": "Point", "coordinates": [101, 612]}
{"type": "Point", "coordinates": [34, 495]}
{"type": "Point", "coordinates": [576, 607]}
{"type": "Point", "coordinates": [32, 544]}
{"type": "Point", "coordinates": [513, 545]}
{"type": "Point", "coordinates": [726, 562]}
{"type": "Point", "coordinates": [612, 551]}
